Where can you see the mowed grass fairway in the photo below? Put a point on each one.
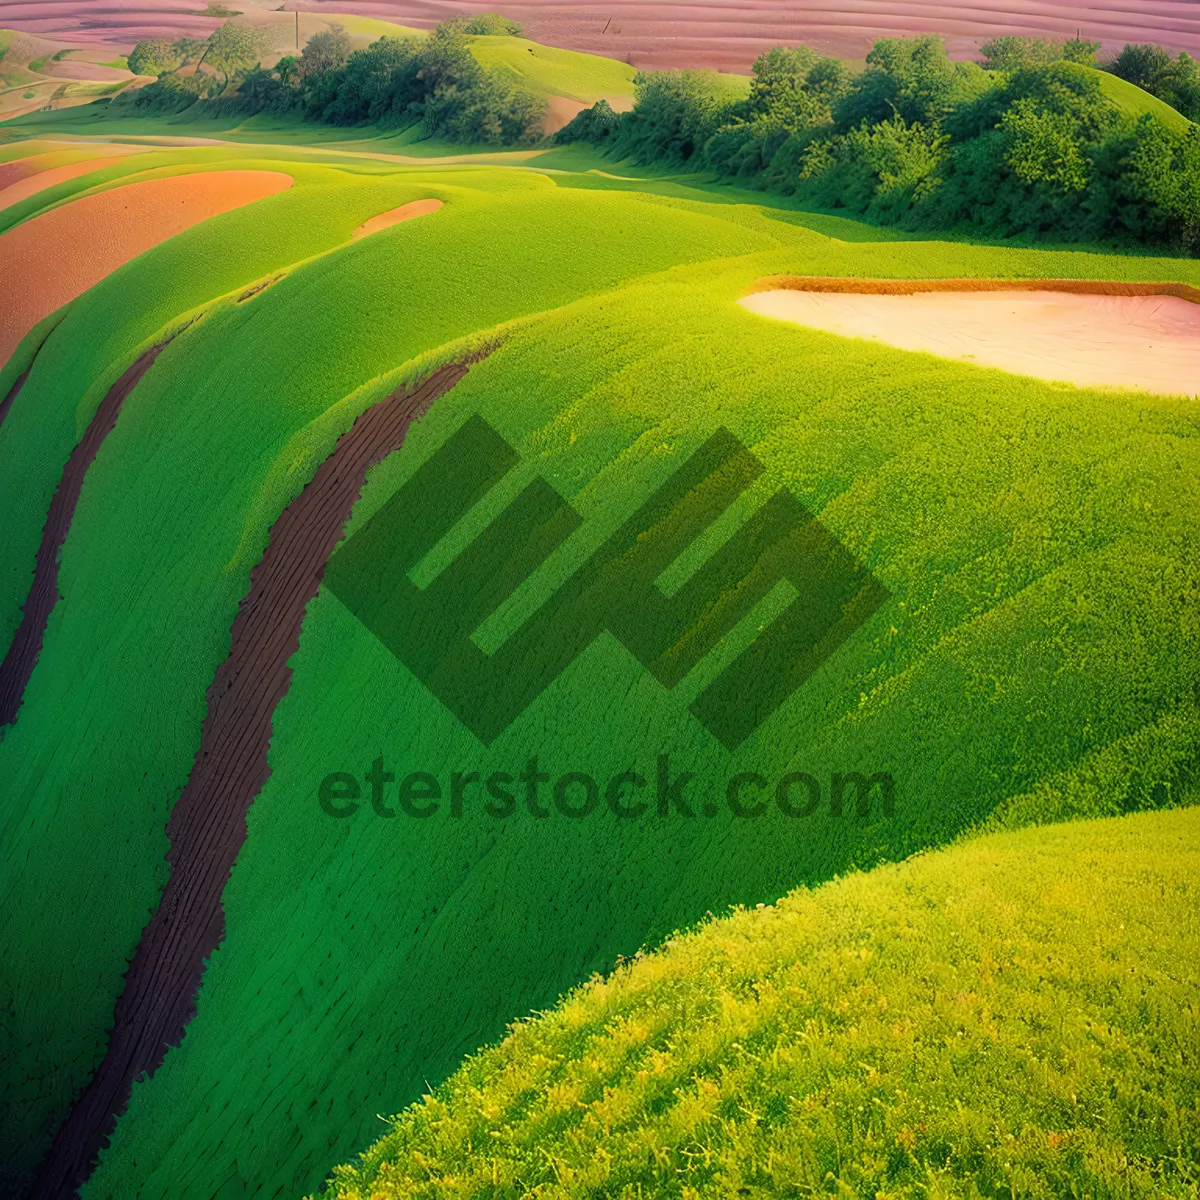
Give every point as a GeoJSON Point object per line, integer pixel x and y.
{"type": "Point", "coordinates": [1037, 658]}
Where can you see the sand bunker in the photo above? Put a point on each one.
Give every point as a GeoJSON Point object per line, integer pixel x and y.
{"type": "Point", "coordinates": [57, 255]}
{"type": "Point", "coordinates": [414, 208]}
{"type": "Point", "coordinates": [1122, 335]}
{"type": "Point", "coordinates": [36, 180]}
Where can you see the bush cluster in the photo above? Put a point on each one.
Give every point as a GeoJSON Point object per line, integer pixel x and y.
{"type": "Point", "coordinates": [1027, 143]}
{"type": "Point", "coordinates": [435, 82]}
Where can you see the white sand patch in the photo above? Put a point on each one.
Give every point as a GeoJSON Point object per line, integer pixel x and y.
{"type": "Point", "coordinates": [1146, 342]}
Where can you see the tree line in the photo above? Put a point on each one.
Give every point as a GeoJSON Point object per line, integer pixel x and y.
{"type": "Point", "coordinates": [1026, 143]}
{"type": "Point", "coordinates": [434, 81]}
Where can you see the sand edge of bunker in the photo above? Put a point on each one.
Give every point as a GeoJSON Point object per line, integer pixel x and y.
{"type": "Point", "coordinates": [393, 216]}
{"type": "Point", "coordinates": [1114, 335]}
{"type": "Point", "coordinates": [863, 286]}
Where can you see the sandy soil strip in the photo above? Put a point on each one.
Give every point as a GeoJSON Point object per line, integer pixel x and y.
{"type": "Point", "coordinates": [393, 216]}
{"type": "Point", "coordinates": [1144, 336]}
{"type": "Point", "coordinates": [57, 255]}
{"type": "Point", "coordinates": [15, 170]}
{"type": "Point", "coordinates": [208, 822]}
{"type": "Point", "coordinates": [43, 594]}
{"type": "Point", "coordinates": [34, 183]}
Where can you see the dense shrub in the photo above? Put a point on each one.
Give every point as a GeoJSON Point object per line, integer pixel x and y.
{"type": "Point", "coordinates": [1015, 53]}
{"type": "Point", "coordinates": [674, 115]}
{"type": "Point", "coordinates": [168, 94]}
{"type": "Point", "coordinates": [396, 82]}
{"type": "Point", "coordinates": [1031, 144]}
{"type": "Point", "coordinates": [154, 56]}
{"type": "Point", "coordinates": [595, 125]}
{"type": "Point", "coordinates": [487, 25]}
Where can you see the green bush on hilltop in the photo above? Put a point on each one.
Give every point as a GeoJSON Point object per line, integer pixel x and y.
{"type": "Point", "coordinates": [433, 82]}
{"type": "Point", "coordinates": [486, 25]}
{"type": "Point", "coordinates": [595, 125]}
{"type": "Point", "coordinates": [154, 56]}
{"type": "Point", "coordinates": [1015, 53]}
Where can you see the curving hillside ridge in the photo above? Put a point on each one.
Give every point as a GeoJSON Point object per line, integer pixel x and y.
{"type": "Point", "coordinates": [1001, 1016]}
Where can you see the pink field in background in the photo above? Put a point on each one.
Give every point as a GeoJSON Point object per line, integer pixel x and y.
{"type": "Point", "coordinates": [676, 33]}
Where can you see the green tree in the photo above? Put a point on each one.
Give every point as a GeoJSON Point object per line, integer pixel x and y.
{"type": "Point", "coordinates": [232, 48]}
{"type": "Point", "coordinates": [154, 56]}
{"type": "Point", "coordinates": [487, 25]}
{"type": "Point", "coordinates": [595, 125]}
{"type": "Point", "coordinates": [189, 49]}
{"type": "Point", "coordinates": [325, 51]}
{"type": "Point", "coordinates": [675, 113]}
{"type": "Point", "coordinates": [288, 69]}
{"type": "Point", "coordinates": [1146, 65]}
{"type": "Point", "coordinates": [1080, 50]}
{"type": "Point", "coordinates": [1014, 53]}
{"type": "Point", "coordinates": [1043, 147]}
{"type": "Point", "coordinates": [1162, 177]}
{"type": "Point", "coordinates": [910, 78]}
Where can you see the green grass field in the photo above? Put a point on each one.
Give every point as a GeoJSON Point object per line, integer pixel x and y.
{"type": "Point", "coordinates": [549, 71]}
{"type": "Point", "coordinates": [1037, 659]}
{"type": "Point", "coordinates": [1135, 101]}
{"type": "Point", "coordinates": [914, 1031]}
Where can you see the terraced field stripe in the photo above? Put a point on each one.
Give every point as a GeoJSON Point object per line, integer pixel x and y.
{"type": "Point", "coordinates": [43, 593]}
{"type": "Point", "coordinates": [208, 822]}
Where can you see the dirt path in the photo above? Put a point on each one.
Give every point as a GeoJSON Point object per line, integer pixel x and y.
{"type": "Point", "coordinates": [1092, 334]}
{"type": "Point", "coordinates": [208, 822]}
{"type": "Point", "coordinates": [43, 594]}
{"type": "Point", "coordinates": [59, 254]}
{"type": "Point", "coordinates": [18, 384]}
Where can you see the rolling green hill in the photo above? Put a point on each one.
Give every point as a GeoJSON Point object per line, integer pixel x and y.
{"type": "Point", "coordinates": [549, 71]}
{"type": "Point", "coordinates": [1134, 101]}
{"type": "Point", "coordinates": [1013, 1016]}
{"type": "Point", "coordinates": [1037, 655]}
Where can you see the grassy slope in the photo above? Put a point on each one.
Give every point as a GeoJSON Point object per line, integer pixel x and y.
{"type": "Point", "coordinates": [1020, 526]}
{"type": "Point", "coordinates": [373, 28]}
{"type": "Point", "coordinates": [1134, 101]}
{"type": "Point", "coordinates": [549, 71]}
{"type": "Point", "coordinates": [979, 612]}
{"type": "Point", "coordinates": [502, 248]}
{"type": "Point", "coordinates": [1014, 1016]}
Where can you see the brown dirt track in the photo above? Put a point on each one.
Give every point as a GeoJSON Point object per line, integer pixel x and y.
{"type": "Point", "coordinates": [18, 384]}
{"type": "Point", "coordinates": [208, 822]}
{"type": "Point", "coordinates": [57, 255]}
{"type": "Point", "coordinates": [43, 595]}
